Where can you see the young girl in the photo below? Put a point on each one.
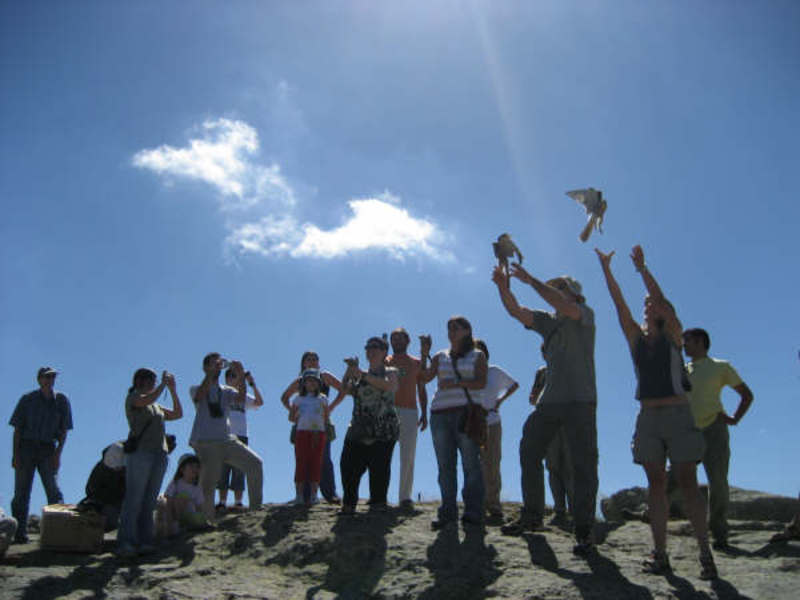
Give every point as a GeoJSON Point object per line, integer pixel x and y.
{"type": "Point", "coordinates": [185, 497]}
{"type": "Point", "coordinates": [310, 411]}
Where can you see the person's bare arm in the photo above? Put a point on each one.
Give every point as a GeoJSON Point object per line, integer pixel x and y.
{"type": "Point", "coordinates": [476, 383]}
{"type": "Point", "coordinates": [251, 381]}
{"type": "Point", "coordinates": [422, 394]}
{"type": "Point", "coordinates": [745, 400]}
{"type": "Point", "coordinates": [630, 328]}
{"type": "Point", "coordinates": [177, 410]}
{"type": "Point", "coordinates": [289, 392]}
{"type": "Point", "coordinates": [331, 381]}
{"type": "Point", "coordinates": [672, 325]}
{"type": "Point", "coordinates": [62, 439]}
{"type": "Point", "coordinates": [427, 373]}
{"type": "Point", "coordinates": [150, 397]}
{"type": "Point", "coordinates": [561, 302]}
{"type": "Point", "coordinates": [520, 313]}
{"type": "Point", "coordinates": [387, 382]}
{"type": "Point", "coordinates": [513, 388]}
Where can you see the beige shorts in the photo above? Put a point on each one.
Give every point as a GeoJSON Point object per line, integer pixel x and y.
{"type": "Point", "coordinates": [667, 432]}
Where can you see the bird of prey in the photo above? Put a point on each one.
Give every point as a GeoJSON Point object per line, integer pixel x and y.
{"type": "Point", "coordinates": [592, 201]}
{"type": "Point", "coordinates": [505, 248]}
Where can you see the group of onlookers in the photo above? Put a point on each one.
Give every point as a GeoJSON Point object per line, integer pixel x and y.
{"type": "Point", "coordinates": [681, 419]}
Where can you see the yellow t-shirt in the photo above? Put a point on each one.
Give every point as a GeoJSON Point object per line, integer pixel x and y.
{"type": "Point", "coordinates": [708, 376]}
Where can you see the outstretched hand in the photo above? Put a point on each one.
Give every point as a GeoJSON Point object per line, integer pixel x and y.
{"type": "Point", "coordinates": [637, 256]}
{"type": "Point", "coordinates": [499, 276]}
{"type": "Point", "coordinates": [520, 273]}
{"type": "Point", "coordinates": [605, 259]}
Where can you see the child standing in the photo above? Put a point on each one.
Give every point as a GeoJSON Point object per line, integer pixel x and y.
{"type": "Point", "coordinates": [310, 411]}
{"type": "Point", "coordinates": [185, 497]}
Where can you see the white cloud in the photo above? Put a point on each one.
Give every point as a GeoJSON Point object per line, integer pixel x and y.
{"type": "Point", "coordinates": [266, 221]}
{"type": "Point", "coordinates": [222, 157]}
{"type": "Point", "coordinates": [375, 224]}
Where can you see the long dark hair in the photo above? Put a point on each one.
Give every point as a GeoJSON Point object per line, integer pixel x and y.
{"type": "Point", "coordinates": [468, 342]}
{"type": "Point", "coordinates": [141, 375]}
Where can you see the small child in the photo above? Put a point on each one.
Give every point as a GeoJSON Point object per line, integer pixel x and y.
{"type": "Point", "coordinates": [184, 507]}
{"type": "Point", "coordinates": [310, 411]}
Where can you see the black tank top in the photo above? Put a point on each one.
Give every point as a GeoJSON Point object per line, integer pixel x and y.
{"type": "Point", "coordinates": [659, 369]}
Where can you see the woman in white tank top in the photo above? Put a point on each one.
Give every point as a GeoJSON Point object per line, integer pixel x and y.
{"type": "Point", "coordinates": [461, 370]}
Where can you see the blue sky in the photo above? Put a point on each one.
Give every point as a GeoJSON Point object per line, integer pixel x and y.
{"type": "Point", "coordinates": [265, 178]}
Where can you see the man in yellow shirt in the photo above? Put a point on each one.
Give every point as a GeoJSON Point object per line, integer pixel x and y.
{"type": "Point", "coordinates": [708, 376]}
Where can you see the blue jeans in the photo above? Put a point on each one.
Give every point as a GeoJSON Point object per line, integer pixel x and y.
{"type": "Point", "coordinates": [33, 456]}
{"type": "Point", "coordinates": [143, 476]}
{"type": "Point", "coordinates": [448, 442]}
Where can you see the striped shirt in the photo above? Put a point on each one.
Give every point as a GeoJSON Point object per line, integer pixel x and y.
{"type": "Point", "coordinates": [453, 397]}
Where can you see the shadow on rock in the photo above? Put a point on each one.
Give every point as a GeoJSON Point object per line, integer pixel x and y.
{"type": "Point", "coordinates": [278, 523]}
{"type": "Point", "coordinates": [91, 577]}
{"type": "Point", "coordinates": [605, 580]}
{"type": "Point", "coordinates": [356, 557]}
{"type": "Point", "coordinates": [461, 569]}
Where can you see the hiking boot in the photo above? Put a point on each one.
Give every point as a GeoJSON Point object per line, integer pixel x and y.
{"type": "Point", "coordinates": [656, 564]}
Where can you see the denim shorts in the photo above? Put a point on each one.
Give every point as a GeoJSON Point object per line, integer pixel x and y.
{"type": "Point", "coordinates": [667, 432]}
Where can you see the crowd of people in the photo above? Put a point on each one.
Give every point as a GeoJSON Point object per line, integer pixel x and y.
{"type": "Point", "coordinates": [681, 420]}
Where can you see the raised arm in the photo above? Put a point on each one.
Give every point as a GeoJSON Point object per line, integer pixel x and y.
{"type": "Point", "coordinates": [177, 410]}
{"type": "Point", "coordinates": [259, 400]}
{"type": "Point", "coordinates": [630, 328]}
{"type": "Point", "coordinates": [150, 397]}
{"type": "Point", "coordinates": [331, 380]}
{"type": "Point", "coordinates": [520, 313]}
{"type": "Point", "coordinates": [346, 386]}
{"type": "Point", "coordinates": [560, 301]}
{"type": "Point", "coordinates": [662, 306]}
{"type": "Point", "coordinates": [427, 373]}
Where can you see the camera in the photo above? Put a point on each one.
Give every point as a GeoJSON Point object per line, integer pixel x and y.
{"type": "Point", "coordinates": [351, 361]}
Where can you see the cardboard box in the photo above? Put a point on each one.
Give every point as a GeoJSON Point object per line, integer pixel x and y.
{"type": "Point", "coordinates": [64, 529]}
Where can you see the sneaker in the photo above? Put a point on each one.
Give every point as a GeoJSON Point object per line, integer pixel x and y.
{"type": "Point", "coordinates": [378, 507]}
{"type": "Point", "coordinates": [521, 526]}
{"type": "Point", "coordinates": [656, 564]}
{"type": "Point", "coordinates": [299, 501]}
{"type": "Point", "coordinates": [21, 539]}
{"type": "Point", "coordinates": [333, 500]}
{"type": "Point", "coordinates": [708, 570]}
{"type": "Point", "coordinates": [407, 505]}
{"type": "Point", "coordinates": [313, 501]}
{"type": "Point", "coordinates": [347, 509]}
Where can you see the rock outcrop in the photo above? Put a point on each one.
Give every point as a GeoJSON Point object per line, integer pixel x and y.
{"type": "Point", "coordinates": [285, 552]}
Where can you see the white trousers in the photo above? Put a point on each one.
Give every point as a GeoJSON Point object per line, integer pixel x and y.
{"type": "Point", "coordinates": [408, 448]}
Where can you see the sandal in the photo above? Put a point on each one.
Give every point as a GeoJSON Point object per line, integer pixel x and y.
{"type": "Point", "coordinates": [656, 564]}
{"type": "Point", "coordinates": [708, 570]}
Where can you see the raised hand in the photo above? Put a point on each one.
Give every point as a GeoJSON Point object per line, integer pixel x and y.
{"type": "Point", "coordinates": [499, 276]}
{"type": "Point", "coordinates": [425, 343]}
{"type": "Point", "coordinates": [637, 256]}
{"type": "Point", "coordinates": [520, 273]}
{"type": "Point", "coordinates": [605, 259]}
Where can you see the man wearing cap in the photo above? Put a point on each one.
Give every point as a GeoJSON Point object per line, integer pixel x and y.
{"type": "Point", "coordinates": [568, 401]}
{"type": "Point", "coordinates": [409, 388]}
{"type": "Point", "coordinates": [40, 421]}
{"type": "Point", "coordinates": [708, 376]}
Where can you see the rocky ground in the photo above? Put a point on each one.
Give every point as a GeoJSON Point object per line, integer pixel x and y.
{"type": "Point", "coordinates": [286, 552]}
